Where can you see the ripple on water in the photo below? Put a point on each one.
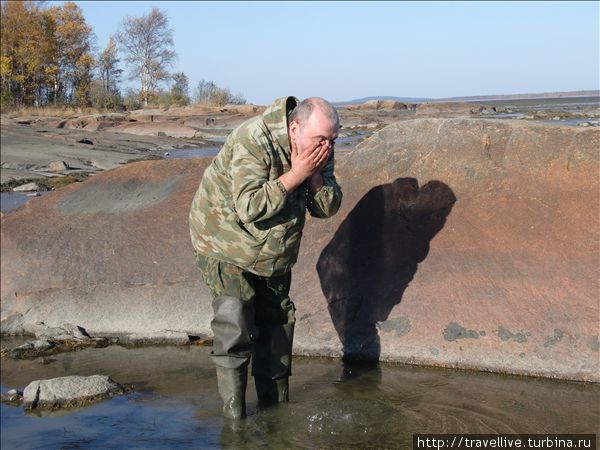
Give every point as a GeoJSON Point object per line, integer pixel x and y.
{"type": "Point", "coordinates": [176, 404]}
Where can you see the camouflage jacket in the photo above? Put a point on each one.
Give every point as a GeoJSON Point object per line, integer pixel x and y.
{"type": "Point", "coordinates": [241, 213]}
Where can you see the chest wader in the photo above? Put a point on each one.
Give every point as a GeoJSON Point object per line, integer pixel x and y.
{"type": "Point", "coordinates": [253, 318]}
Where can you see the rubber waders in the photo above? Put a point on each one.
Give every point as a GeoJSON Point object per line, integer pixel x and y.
{"type": "Point", "coordinates": [272, 363]}
{"type": "Point", "coordinates": [232, 388]}
{"type": "Point", "coordinates": [232, 327]}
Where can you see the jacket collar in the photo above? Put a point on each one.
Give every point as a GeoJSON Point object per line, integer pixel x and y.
{"type": "Point", "coordinates": [275, 118]}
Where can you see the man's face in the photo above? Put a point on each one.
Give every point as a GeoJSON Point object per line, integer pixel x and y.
{"type": "Point", "coordinates": [317, 131]}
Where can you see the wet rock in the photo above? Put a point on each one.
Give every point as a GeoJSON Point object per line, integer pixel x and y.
{"type": "Point", "coordinates": [12, 396]}
{"type": "Point", "coordinates": [51, 340]}
{"type": "Point", "coordinates": [70, 391]}
{"type": "Point", "coordinates": [159, 337]}
{"type": "Point", "coordinates": [481, 222]}
{"type": "Point", "coordinates": [32, 349]}
{"type": "Point", "coordinates": [65, 332]}
{"type": "Point", "coordinates": [26, 187]}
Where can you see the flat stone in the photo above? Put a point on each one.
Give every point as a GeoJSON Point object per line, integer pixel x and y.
{"type": "Point", "coordinates": [63, 332]}
{"type": "Point", "coordinates": [26, 187]}
{"type": "Point", "coordinates": [31, 349]}
{"type": "Point", "coordinates": [70, 391]}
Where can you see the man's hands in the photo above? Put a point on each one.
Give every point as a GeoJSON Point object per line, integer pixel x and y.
{"type": "Point", "coordinates": [307, 165]}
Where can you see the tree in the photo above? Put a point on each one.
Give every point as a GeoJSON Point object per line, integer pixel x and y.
{"type": "Point", "coordinates": [147, 43]}
{"type": "Point", "coordinates": [74, 59]}
{"type": "Point", "coordinates": [45, 53]}
{"type": "Point", "coordinates": [108, 69]}
{"type": "Point", "coordinates": [180, 89]}
{"type": "Point", "coordinates": [23, 51]}
{"type": "Point", "coordinates": [208, 93]}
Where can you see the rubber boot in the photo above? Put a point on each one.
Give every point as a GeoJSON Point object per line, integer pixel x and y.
{"type": "Point", "coordinates": [232, 388]}
{"type": "Point", "coordinates": [272, 363]}
{"type": "Point", "coordinates": [233, 331]}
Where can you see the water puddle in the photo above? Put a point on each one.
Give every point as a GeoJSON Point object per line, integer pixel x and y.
{"type": "Point", "coordinates": [175, 404]}
{"type": "Point", "coordinates": [192, 152]}
{"type": "Point", "coordinates": [12, 200]}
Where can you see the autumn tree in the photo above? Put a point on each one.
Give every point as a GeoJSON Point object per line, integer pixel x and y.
{"type": "Point", "coordinates": [23, 53]}
{"type": "Point", "coordinates": [74, 57]}
{"type": "Point", "coordinates": [147, 44]}
{"type": "Point", "coordinates": [45, 53]}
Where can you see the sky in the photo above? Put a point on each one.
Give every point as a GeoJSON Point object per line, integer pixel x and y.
{"type": "Point", "coordinates": [348, 50]}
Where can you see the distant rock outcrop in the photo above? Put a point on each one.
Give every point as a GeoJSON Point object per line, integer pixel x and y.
{"type": "Point", "coordinates": [383, 104]}
{"type": "Point", "coordinates": [460, 243]}
{"type": "Point", "coordinates": [454, 108]}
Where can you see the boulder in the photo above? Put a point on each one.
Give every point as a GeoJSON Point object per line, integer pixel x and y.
{"type": "Point", "coordinates": [460, 242]}
{"type": "Point", "coordinates": [57, 166]}
{"type": "Point", "coordinates": [70, 391]}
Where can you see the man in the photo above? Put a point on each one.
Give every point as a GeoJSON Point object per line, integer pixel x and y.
{"type": "Point", "coordinates": [246, 223]}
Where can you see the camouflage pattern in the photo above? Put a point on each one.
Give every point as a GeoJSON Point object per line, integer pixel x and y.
{"type": "Point", "coordinates": [241, 213]}
{"type": "Point", "coordinates": [272, 304]}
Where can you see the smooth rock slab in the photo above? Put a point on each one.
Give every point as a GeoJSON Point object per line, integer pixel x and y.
{"type": "Point", "coordinates": [70, 391]}
{"type": "Point", "coordinates": [460, 242]}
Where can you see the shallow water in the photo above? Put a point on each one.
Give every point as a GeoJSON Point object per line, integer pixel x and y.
{"type": "Point", "coordinates": [12, 200]}
{"type": "Point", "coordinates": [175, 404]}
{"type": "Point", "coordinates": [192, 152]}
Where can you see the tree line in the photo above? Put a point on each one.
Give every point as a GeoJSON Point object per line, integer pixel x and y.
{"type": "Point", "coordinates": [48, 57]}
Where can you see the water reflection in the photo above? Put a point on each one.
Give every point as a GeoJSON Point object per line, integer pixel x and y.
{"type": "Point", "coordinates": [333, 404]}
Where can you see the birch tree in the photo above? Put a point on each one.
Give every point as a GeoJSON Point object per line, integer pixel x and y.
{"type": "Point", "coordinates": [147, 45]}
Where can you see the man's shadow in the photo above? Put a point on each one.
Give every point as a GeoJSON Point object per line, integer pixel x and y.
{"type": "Point", "coordinates": [373, 256]}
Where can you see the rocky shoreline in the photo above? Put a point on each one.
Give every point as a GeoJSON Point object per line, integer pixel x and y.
{"type": "Point", "coordinates": [55, 151]}
{"type": "Point", "coordinates": [483, 267]}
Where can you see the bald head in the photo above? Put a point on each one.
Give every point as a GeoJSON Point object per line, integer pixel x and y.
{"type": "Point", "coordinates": [303, 110]}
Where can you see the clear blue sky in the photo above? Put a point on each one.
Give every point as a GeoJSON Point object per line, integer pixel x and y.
{"type": "Point", "coordinates": [346, 50]}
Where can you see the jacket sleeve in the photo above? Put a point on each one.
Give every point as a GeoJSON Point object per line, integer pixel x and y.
{"type": "Point", "coordinates": [327, 200]}
{"type": "Point", "coordinates": [255, 196]}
